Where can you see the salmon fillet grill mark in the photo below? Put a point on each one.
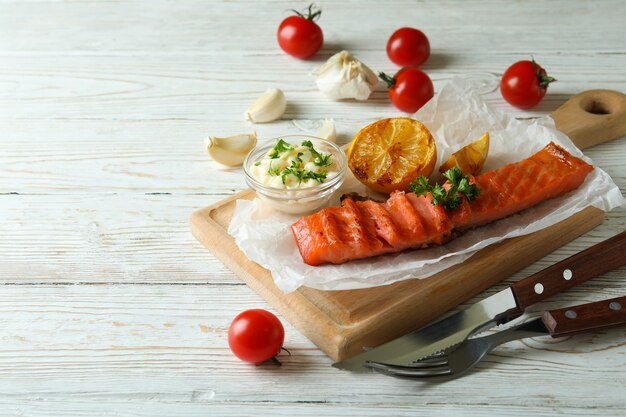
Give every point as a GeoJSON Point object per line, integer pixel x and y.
{"type": "Point", "coordinates": [363, 229]}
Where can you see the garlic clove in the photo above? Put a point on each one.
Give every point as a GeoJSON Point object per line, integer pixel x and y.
{"type": "Point", "coordinates": [269, 107]}
{"type": "Point", "coordinates": [327, 130]}
{"type": "Point", "coordinates": [345, 77]}
{"type": "Point", "coordinates": [236, 143]}
{"type": "Point", "coordinates": [231, 150]}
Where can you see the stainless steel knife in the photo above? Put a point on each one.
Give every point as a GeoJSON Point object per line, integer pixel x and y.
{"type": "Point", "coordinates": [456, 362]}
{"type": "Point", "coordinates": [497, 309]}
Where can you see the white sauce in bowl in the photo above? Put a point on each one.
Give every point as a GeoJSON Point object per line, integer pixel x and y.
{"type": "Point", "coordinates": [292, 167]}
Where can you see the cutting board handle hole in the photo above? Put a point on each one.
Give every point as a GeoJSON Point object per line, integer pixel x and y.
{"type": "Point", "coordinates": [597, 107]}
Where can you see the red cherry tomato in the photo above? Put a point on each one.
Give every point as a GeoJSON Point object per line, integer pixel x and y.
{"type": "Point", "coordinates": [299, 35]}
{"type": "Point", "coordinates": [409, 89]}
{"type": "Point", "coordinates": [524, 84]}
{"type": "Point", "coordinates": [256, 335]}
{"type": "Point", "coordinates": [408, 47]}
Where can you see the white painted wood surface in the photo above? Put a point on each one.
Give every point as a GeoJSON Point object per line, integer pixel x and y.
{"type": "Point", "coordinates": [110, 307]}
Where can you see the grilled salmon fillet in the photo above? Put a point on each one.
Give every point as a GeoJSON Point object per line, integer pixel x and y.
{"type": "Point", "coordinates": [361, 229]}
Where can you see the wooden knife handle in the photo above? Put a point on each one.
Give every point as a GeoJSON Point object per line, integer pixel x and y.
{"type": "Point", "coordinates": [592, 117]}
{"type": "Point", "coordinates": [592, 262]}
{"type": "Point", "coordinates": [581, 318]}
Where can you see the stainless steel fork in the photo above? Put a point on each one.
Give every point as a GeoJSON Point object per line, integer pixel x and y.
{"type": "Point", "coordinates": [457, 360]}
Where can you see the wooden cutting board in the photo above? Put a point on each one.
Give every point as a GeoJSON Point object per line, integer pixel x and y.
{"type": "Point", "coordinates": [341, 323]}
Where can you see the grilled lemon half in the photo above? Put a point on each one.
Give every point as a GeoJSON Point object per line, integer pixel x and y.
{"type": "Point", "coordinates": [389, 154]}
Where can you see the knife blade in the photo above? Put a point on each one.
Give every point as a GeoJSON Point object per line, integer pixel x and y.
{"type": "Point", "coordinates": [456, 362]}
{"type": "Point", "coordinates": [499, 308]}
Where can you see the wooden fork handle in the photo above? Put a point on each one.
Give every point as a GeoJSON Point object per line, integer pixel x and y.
{"type": "Point", "coordinates": [592, 262]}
{"type": "Point", "coordinates": [585, 317]}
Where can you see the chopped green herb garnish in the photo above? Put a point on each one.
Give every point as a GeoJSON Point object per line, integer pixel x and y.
{"type": "Point", "coordinates": [317, 176]}
{"type": "Point", "coordinates": [257, 164]}
{"type": "Point", "coordinates": [471, 191]}
{"type": "Point", "coordinates": [296, 167]}
{"type": "Point", "coordinates": [284, 174]}
{"type": "Point", "coordinates": [298, 173]}
{"type": "Point", "coordinates": [280, 147]}
{"type": "Point", "coordinates": [320, 159]}
{"type": "Point", "coordinates": [302, 174]}
{"type": "Point", "coordinates": [450, 198]}
{"type": "Point", "coordinates": [273, 171]}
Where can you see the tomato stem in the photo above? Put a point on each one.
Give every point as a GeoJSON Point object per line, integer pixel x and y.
{"type": "Point", "coordinates": [275, 357]}
{"type": "Point", "coordinates": [311, 14]}
{"type": "Point", "coordinates": [391, 81]}
{"type": "Point", "coordinates": [542, 76]}
{"type": "Point", "coordinates": [276, 361]}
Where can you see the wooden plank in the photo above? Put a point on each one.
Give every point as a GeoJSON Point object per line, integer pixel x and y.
{"type": "Point", "coordinates": [341, 323]}
{"type": "Point", "coordinates": [104, 238]}
{"type": "Point", "coordinates": [189, 88]}
{"type": "Point", "coordinates": [136, 350]}
{"type": "Point", "coordinates": [199, 405]}
{"type": "Point", "coordinates": [201, 27]}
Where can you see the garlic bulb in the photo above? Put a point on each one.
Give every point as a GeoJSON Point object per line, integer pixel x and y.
{"type": "Point", "coordinates": [270, 106]}
{"type": "Point", "coordinates": [343, 76]}
{"type": "Point", "coordinates": [231, 150]}
{"type": "Point", "coordinates": [327, 130]}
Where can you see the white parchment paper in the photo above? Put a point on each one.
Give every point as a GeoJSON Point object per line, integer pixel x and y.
{"type": "Point", "coordinates": [456, 117]}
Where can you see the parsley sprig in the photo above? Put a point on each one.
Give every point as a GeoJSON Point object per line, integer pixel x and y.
{"type": "Point", "coordinates": [450, 198]}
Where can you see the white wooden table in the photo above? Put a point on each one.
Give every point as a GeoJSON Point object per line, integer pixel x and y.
{"type": "Point", "coordinates": [110, 307]}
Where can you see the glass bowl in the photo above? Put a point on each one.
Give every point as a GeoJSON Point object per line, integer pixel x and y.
{"type": "Point", "coordinates": [300, 200]}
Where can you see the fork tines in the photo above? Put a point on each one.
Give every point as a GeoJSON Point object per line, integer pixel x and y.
{"type": "Point", "coordinates": [423, 369]}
